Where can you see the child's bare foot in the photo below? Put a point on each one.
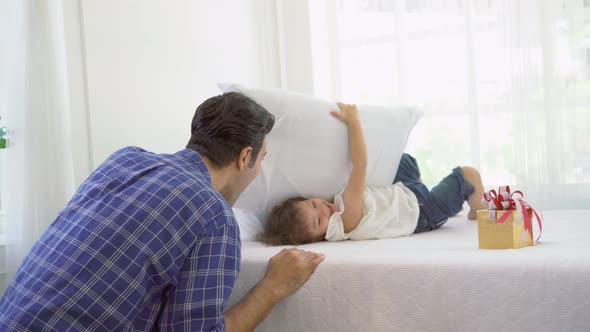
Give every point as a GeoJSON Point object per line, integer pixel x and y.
{"type": "Point", "coordinates": [472, 176]}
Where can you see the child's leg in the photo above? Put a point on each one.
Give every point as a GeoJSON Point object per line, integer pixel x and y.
{"type": "Point", "coordinates": [473, 177]}
{"type": "Point", "coordinates": [447, 197]}
{"type": "Point", "coordinates": [407, 170]}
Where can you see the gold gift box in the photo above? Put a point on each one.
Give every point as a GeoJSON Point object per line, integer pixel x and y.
{"type": "Point", "coordinates": [508, 235]}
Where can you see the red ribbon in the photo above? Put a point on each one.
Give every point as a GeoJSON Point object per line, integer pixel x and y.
{"type": "Point", "coordinates": [505, 200]}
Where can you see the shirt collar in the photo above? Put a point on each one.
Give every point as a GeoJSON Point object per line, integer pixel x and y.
{"type": "Point", "coordinates": [194, 161]}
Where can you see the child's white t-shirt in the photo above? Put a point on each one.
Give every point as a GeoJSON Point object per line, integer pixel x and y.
{"type": "Point", "coordinates": [389, 211]}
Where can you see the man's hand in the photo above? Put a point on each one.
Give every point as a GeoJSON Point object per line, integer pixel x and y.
{"type": "Point", "coordinates": [286, 272]}
{"type": "Point", "coordinates": [290, 269]}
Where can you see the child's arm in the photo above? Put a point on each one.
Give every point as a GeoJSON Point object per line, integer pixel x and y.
{"type": "Point", "coordinates": [355, 189]}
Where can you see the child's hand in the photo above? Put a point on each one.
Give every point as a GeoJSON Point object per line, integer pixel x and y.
{"type": "Point", "coordinates": [348, 113]}
{"type": "Point", "coordinates": [355, 188]}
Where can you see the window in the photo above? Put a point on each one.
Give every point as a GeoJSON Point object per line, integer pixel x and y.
{"type": "Point", "coordinates": [506, 92]}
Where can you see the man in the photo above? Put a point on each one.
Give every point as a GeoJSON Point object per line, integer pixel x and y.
{"type": "Point", "coordinates": [150, 242]}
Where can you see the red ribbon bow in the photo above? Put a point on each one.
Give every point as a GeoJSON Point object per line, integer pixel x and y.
{"type": "Point", "coordinates": [505, 200]}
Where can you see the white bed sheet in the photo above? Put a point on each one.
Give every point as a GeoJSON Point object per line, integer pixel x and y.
{"type": "Point", "coordinates": [438, 281]}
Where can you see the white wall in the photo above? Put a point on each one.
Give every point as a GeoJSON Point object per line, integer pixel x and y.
{"type": "Point", "coordinates": [149, 64]}
{"type": "Point", "coordinates": [294, 44]}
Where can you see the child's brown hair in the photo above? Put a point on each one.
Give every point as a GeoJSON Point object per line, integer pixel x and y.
{"type": "Point", "coordinates": [282, 227]}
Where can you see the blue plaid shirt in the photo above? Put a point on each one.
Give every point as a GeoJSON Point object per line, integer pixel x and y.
{"type": "Point", "coordinates": [145, 242]}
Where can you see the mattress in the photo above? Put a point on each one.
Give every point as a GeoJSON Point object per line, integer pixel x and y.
{"type": "Point", "coordinates": [438, 281]}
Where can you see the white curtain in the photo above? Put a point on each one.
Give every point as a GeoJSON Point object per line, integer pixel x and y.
{"type": "Point", "coordinates": [37, 168]}
{"type": "Point", "coordinates": [505, 84]}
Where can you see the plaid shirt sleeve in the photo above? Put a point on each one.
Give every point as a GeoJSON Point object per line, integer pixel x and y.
{"type": "Point", "coordinates": [205, 283]}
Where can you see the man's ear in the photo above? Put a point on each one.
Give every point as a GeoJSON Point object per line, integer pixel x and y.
{"type": "Point", "coordinates": [244, 158]}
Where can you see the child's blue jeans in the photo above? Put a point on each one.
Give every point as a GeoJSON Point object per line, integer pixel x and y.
{"type": "Point", "coordinates": [443, 201]}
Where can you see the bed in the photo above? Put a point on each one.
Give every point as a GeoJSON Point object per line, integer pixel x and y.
{"type": "Point", "coordinates": [438, 281]}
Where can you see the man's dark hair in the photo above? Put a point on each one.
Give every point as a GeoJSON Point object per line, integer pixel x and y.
{"type": "Point", "coordinates": [223, 125]}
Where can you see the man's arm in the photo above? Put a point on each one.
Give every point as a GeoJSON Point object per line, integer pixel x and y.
{"type": "Point", "coordinates": [204, 283]}
{"type": "Point", "coordinates": [355, 188]}
{"type": "Point", "coordinates": [286, 272]}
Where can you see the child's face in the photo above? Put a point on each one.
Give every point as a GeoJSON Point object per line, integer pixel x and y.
{"type": "Point", "coordinates": [315, 214]}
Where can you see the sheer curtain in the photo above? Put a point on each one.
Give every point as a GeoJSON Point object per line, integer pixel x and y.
{"type": "Point", "coordinates": [37, 168]}
{"type": "Point", "coordinates": [505, 84]}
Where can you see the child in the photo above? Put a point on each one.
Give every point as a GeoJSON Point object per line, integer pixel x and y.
{"type": "Point", "coordinates": [360, 213]}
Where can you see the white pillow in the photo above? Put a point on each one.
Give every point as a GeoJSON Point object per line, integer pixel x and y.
{"type": "Point", "coordinates": [250, 225]}
{"type": "Point", "coordinates": [308, 148]}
